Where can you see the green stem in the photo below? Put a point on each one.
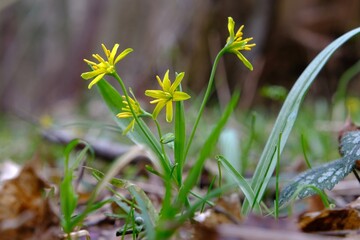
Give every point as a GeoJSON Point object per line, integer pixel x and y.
{"type": "Point", "coordinates": [206, 97]}
{"type": "Point", "coordinates": [160, 136]}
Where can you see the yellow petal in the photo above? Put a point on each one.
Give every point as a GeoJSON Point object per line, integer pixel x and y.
{"type": "Point", "coordinates": [159, 81]}
{"type": "Point", "coordinates": [180, 96]}
{"type": "Point", "coordinates": [166, 82]}
{"type": "Point", "coordinates": [124, 115]}
{"type": "Point", "coordinates": [177, 81]}
{"type": "Point", "coordinates": [231, 25]}
{"type": "Point", "coordinates": [244, 60]}
{"type": "Point", "coordinates": [106, 51]}
{"type": "Point", "coordinates": [158, 108]}
{"type": "Point", "coordinates": [158, 94]}
{"type": "Point", "coordinates": [129, 127]}
{"type": "Point", "coordinates": [239, 33]}
{"type": "Point", "coordinates": [113, 53]}
{"type": "Point", "coordinates": [169, 111]}
{"type": "Point", "coordinates": [98, 78]}
{"type": "Point", "coordinates": [89, 62]}
{"type": "Point", "coordinates": [92, 74]}
{"type": "Point", "coordinates": [123, 54]}
{"type": "Point", "coordinates": [98, 57]}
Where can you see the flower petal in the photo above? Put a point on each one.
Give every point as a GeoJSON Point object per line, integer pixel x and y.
{"type": "Point", "coordinates": [123, 54]}
{"type": "Point", "coordinates": [180, 96]}
{"type": "Point", "coordinates": [177, 81]}
{"type": "Point", "coordinates": [244, 60]}
{"type": "Point", "coordinates": [231, 25]}
{"type": "Point", "coordinates": [113, 53]}
{"type": "Point", "coordinates": [129, 127]}
{"type": "Point", "coordinates": [166, 82]}
{"type": "Point", "coordinates": [98, 57]}
{"type": "Point", "coordinates": [88, 75]}
{"type": "Point", "coordinates": [169, 111]}
{"type": "Point", "coordinates": [158, 108]}
{"type": "Point", "coordinates": [90, 62]}
{"type": "Point", "coordinates": [124, 115]}
{"type": "Point", "coordinates": [98, 78]}
{"type": "Point", "coordinates": [239, 32]}
{"type": "Point", "coordinates": [159, 81]}
{"type": "Point", "coordinates": [158, 94]}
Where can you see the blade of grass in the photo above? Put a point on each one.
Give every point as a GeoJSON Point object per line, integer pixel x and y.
{"type": "Point", "coordinates": [303, 147]}
{"type": "Point", "coordinates": [287, 117]}
{"type": "Point", "coordinates": [277, 173]}
{"type": "Point", "coordinates": [344, 81]}
{"type": "Point", "coordinates": [240, 181]}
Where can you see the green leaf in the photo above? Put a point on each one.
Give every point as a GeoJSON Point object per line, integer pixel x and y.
{"type": "Point", "coordinates": [68, 202]}
{"type": "Point", "coordinates": [328, 175]}
{"type": "Point", "coordinates": [287, 117]}
{"type": "Point", "coordinates": [240, 181]}
{"type": "Point", "coordinates": [115, 103]}
{"type": "Point", "coordinates": [179, 144]}
{"type": "Point", "coordinates": [322, 177]}
{"type": "Point", "coordinates": [350, 145]}
{"type": "Point", "coordinates": [148, 212]}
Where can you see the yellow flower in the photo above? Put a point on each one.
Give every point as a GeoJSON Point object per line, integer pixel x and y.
{"type": "Point", "coordinates": [167, 95]}
{"type": "Point", "coordinates": [104, 67]}
{"type": "Point", "coordinates": [126, 112]}
{"type": "Point", "coordinates": [235, 43]}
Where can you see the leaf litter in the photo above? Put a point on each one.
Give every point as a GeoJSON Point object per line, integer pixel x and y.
{"type": "Point", "coordinates": [25, 212]}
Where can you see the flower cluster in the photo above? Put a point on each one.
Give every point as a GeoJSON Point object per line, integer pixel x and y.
{"type": "Point", "coordinates": [170, 92]}
{"type": "Point", "coordinates": [127, 113]}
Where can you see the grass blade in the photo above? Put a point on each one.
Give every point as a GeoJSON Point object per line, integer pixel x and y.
{"type": "Point", "coordinates": [240, 181]}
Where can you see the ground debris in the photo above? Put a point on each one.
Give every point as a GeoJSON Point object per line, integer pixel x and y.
{"type": "Point", "coordinates": [335, 222]}
{"type": "Point", "coordinates": [24, 211]}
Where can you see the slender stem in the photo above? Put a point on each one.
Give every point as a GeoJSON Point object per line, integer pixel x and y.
{"type": "Point", "coordinates": [160, 136]}
{"type": "Point", "coordinates": [206, 97]}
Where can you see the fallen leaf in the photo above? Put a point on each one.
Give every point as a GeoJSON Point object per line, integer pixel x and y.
{"type": "Point", "coordinates": [226, 210]}
{"type": "Point", "coordinates": [330, 220]}
{"type": "Point", "coordinates": [24, 212]}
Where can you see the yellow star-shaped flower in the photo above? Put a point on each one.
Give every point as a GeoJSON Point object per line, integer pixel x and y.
{"type": "Point", "coordinates": [235, 43]}
{"type": "Point", "coordinates": [167, 95]}
{"type": "Point", "coordinates": [104, 67]}
{"type": "Point", "coordinates": [126, 113]}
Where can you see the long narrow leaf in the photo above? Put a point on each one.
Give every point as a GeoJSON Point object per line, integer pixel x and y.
{"type": "Point", "coordinates": [287, 117]}
{"type": "Point", "coordinates": [240, 181]}
{"type": "Point", "coordinates": [179, 138]}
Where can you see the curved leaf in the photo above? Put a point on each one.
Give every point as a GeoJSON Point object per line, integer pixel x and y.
{"type": "Point", "coordinates": [327, 175]}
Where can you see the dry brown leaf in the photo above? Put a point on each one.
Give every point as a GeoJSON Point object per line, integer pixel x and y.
{"type": "Point", "coordinates": [330, 220]}
{"type": "Point", "coordinates": [24, 212]}
{"type": "Point", "coordinates": [226, 210]}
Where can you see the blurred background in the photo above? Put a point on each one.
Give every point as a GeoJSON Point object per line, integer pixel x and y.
{"type": "Point", "coordinates": [43, 43]}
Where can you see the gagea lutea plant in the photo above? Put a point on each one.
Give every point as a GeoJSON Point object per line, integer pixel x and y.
{"type": "Point", "coordinates": [180, 202]}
